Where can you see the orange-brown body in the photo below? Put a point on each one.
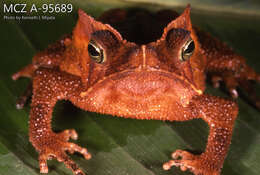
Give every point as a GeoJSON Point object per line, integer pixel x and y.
{"type": "Point", "coordinates": [153, 74]}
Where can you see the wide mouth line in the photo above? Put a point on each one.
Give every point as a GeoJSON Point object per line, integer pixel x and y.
{"type": "Point", "coordinates": [170, 75]}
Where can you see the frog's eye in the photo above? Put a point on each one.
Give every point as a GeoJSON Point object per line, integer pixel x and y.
{"type": "Point", "coordinates": [187, 50]}
{"type": "Point", "coordinates": [96, 52]}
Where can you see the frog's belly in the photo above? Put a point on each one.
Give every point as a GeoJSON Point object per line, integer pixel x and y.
{"type": "Point", "coordinates": [141, 97]}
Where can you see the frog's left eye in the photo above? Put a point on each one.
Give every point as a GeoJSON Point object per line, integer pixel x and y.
{"type": "Point", "coordinates": [187, 50]}
{"type": "Point", "coordinates": [96, 52]}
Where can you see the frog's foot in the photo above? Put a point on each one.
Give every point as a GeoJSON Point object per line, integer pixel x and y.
{"type": "Point", "coordinates": [55, 146]}
{"type": "Point", "coordinates": [241, 80]}
{"type": "Point", "coordinates": [22, 100]}
{"type": "Point", "coordinates": [230, 82]}
{"type": "Point", "coordinates": [27, 71]}
{"type": "Point", "coordinates": [187, 161]}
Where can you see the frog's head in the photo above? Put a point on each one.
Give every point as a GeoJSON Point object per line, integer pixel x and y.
{"type": "Point", "coordinates": [109, 64]}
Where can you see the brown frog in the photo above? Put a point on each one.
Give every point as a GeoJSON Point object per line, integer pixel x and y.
{"type": "Point", "coordinates": [157, 73]}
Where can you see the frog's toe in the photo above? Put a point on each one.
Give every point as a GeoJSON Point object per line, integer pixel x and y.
{"type": "Point", "coordinates": [231, 85]}
{"type": "Point", "coordinates": [61, 157]}
{"type": "Point", "coordinates": [230, 82]}
{"type": "Point", "coordinates": [43, 163]}
{"type": "Point", "coordinates": [215, 80]}
{"type": "Point", "coordinates": [187, 161]}
{"type": "Point", "coordinates": [69, 134]}
{"type": "Point", "coordinates": [180, 159]}
{"type": "Point", "coordinates": [180, 154]}
{"type": "Point", "coordinates": [72, 147]}
{"type": "Point", "coordinates": [56, 146]}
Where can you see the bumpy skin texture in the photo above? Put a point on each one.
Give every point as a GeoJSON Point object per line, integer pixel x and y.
{"type": "Point", "coordinates": [142, 77]}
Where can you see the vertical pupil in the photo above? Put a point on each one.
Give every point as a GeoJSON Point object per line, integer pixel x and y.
{"type": "Point", "coordinates": [93, 51]}
{"type": "Point", "coordinates": [190, 48]}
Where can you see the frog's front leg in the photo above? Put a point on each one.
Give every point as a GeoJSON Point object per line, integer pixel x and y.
{"type": "Point", "coordinates": [48, 87]}
{"type": "Point", "coordinates": [220, 114]}
{"type": "Point", "coordinates": [50, 57]}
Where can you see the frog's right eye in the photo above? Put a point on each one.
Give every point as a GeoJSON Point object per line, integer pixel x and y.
{"type": "Point", "coordinates": [96, 52]}
{"type": "Point", "coordinates": [187, 50]}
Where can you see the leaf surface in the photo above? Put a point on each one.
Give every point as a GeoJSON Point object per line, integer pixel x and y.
{"type": "Point", "coordinates": [121, 146]}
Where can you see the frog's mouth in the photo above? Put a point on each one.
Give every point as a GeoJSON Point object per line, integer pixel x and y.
{"type": "Point", "coordinates": [139, 92]}
{"type": "Point", "coordinates": [137, 85]}
{"type": "Point", "coordinates": [149, 82]}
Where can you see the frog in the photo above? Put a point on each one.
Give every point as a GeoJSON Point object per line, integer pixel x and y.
{"type": "Point", "coordinates": [134, 64]}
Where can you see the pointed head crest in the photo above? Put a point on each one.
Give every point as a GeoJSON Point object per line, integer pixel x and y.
{"type": "Point", "coordinates": [86, 25]}
{"type": "Point", "coordinates": [183, 22]}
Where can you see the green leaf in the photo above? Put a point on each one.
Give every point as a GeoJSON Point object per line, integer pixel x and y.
{"type": "Point", "coordinates": [123, 146]}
